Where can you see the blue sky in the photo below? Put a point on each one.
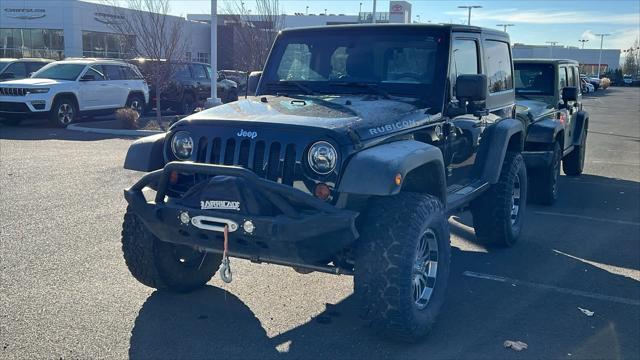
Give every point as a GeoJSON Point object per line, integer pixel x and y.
{"type": "Point", "coordinates": [536, 22]}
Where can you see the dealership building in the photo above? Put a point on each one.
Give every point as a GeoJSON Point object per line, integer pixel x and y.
{"type": "Point", "coordinates": [588, 58]}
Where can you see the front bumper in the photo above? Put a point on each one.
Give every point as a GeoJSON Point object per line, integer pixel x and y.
{"type": "Point", "coordinates": [537, 159]}
{"type": "Point", "coordinates": [309, 236]}
{"type": "Point", "coordinates": [25, 105]}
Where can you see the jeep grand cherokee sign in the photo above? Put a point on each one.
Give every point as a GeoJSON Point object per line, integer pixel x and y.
{"type": "Point", "coordinates": [24, 13]}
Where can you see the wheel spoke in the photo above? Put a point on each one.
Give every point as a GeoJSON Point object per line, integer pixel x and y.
{"type": "Point", "coordinates": [425, 269]}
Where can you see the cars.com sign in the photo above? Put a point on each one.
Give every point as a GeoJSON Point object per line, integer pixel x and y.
{"type": "Point", "coordinates": [24, 13]}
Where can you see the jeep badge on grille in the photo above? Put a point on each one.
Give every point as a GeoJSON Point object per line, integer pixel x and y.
{"type": "Point", "coordinates": [249, 134]}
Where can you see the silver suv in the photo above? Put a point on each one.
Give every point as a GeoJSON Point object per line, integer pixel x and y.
{"type": "Point", "coordinates": [65, 90]}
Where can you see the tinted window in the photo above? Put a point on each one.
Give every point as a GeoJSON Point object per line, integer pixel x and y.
{"type": "Point", "coordinates": [34, 66]}
{"type": "Point", "coordinates": [96, 74]}
{"type": "Point", "coordinates": [570, 79]}
{"type": "Point", "coordinates": [17, 69]}
{"type": "Point", "coordinates": [464, 57]}
{"type": "Point", "coordinates": [182, 71]}
{"type": "Point", "coordinates": [563, 77]}
{"type": "Point", "coordinates": [199, 72]}
{"type": "Point", "coordinates": [112, 72]}
{"type": "Point", "coordinates": [60, 72]}
{"type": "Point", "coordinates": [128, 73]}
{"type": "Point", "coordinates": [536, 79]}
{"type": "Point", "coordinates": [498, 60]}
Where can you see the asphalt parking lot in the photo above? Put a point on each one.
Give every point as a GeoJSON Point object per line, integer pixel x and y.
{"type": "Point", "coordinates": [66, 292]}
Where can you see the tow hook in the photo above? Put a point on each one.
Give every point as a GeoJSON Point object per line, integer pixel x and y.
{"type": "Point", "coordinates": [225, 268]}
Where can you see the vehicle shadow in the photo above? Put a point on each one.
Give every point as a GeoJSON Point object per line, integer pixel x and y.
{"type": "Point", "coordinates": [38, 130]}
{"type": "Point", "coordinates": [478, 315]}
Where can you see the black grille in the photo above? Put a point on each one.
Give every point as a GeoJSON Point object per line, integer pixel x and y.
{"type": "Point", "coordinates": [8, 91]}
{"type": "Point", "coordinates": [14, 107]}
{"type": "Point", "coordinates": [269, 160]}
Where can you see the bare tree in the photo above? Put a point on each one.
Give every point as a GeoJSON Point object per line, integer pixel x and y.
{"type": "Point", "coordinates": [159, 37]}
{"type": "Point", "coordinates": [254, 31]}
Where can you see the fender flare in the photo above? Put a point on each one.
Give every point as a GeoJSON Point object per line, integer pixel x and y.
{"type": "Point", "coordinates": [544, 131]}
{"type": "Point", "coordinates": [146, 154]}
{"type": "Point", "coordinates": [373, 171]}
{"type": "Point", "coordinates": [496, 140]}
{"type": "Point", "coordinates": [582, 122]}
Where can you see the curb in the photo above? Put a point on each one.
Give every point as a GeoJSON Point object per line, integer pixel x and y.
{"type": "Point", "coordinates": [120, 132]}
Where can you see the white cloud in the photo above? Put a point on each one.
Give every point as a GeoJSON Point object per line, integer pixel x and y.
{"type": "Point", "coordinates": [619, 39]}
{"type": "Point", "coordinates": [548, 16]}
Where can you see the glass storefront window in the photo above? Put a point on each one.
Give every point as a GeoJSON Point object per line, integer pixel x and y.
{"type": "Point", "coordinates": [108, 45]}
{"type": "Point", "coordinates": [46, 43]}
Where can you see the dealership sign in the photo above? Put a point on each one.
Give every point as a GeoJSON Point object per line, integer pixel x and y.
{"type": "Point", "coordinates": [25, 13]}
{"type": "Point", "coordinates": [397, 8]}
{"type": "Point", "coordinates": [108, 19]}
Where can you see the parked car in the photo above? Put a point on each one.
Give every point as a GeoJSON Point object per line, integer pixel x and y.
{"type": "Point", "coordinates": [189, 86]}
{"type": "Point", "coordinates": [586, 86]}
{"type": "Point", "coordinates": [549, 103]}
{"type": "Point", "coordinates": [347, 164]}
{"type": "Point", "coordinates": [592, 80]}
{"type": "Point", "coordinates": [237, 76]}
{"type": "Point", "coordinates": [14, 69]}
{"type": "Point", "coordinates": [65, 90]}
{"type": "Point", "coordinates": [627, 80]}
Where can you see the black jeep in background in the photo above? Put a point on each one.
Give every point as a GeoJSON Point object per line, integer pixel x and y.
{"type": "Point", "coordinates": [189, 86]}
{"type": "Point", "coordinates": [15, 69]}
{"type": "Point", "coordinates": [360, 143]}
{"type": "Point", "coordinates": [549, 98]}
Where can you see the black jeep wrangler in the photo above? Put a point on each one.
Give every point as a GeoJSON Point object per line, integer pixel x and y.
{"type": "Point", "coordinates": [361, 141]}
{"type": "Point", "coordinates": [549, 103]}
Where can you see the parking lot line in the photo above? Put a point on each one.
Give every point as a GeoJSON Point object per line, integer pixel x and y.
{"type": "Point", "coordinates": [621, 222]}
{"type": "Point", "coordinates": [557, 289]}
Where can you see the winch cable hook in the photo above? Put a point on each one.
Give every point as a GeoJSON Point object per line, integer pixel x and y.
{"type": "Point", "coordinates": [225, 268]}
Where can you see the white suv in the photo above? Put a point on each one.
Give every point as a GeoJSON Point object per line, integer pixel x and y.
{"type": "Point", "coordinates": [65, 90]}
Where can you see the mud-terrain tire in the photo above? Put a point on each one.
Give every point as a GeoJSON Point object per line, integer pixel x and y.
{"type": "Point", "coordinates": [544, 182]}
{"type": "Point", "coordinates": [163, 265]}
{"type": "Point", "coordinates": [64, 112]}
{"type": "Point", "coordinates": [573, 163]}
{"type": "Point", "coordinates": [498, 214]}
{"type": "Point", "coordinates": [390, 267]}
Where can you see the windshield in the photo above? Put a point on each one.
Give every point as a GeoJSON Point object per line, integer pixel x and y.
{"type": "Point", "coordinates": [3, 64]}
{"type": "Point", "coordinates": [534, 79]}
{"type": "Point", "coordinates": [406, 61]}
{"type": "Point", "coordinates": [59, 72]}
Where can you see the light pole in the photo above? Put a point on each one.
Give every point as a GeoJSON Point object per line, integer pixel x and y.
{"type": "Point", "coordinates": [214, 100]}
{"type": "Point", "coordinates": [373, 17]}
{"type": "Point", "coordinates": [307, 11]}
{"type": "Point", "coordinates": [552, 43]}
{"type": "Point", "coordinates": [583, 41]}
{"type": "Point", "coordinates": [505, 26]}
{"type": "Point", "coordinates": [360, 11]}
{"type": "Point", "coordinates": [418, 16]}
{"type": "Point", "coordinates": [600, 56]}
{"type": "Point", "coordinates": [469, 7]}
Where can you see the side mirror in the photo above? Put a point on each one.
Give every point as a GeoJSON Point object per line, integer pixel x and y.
{"type": "Point", "coordinates": [30, 74]}
{"type": "Point", "coordinates": [471, 87]}
{"type": "Point", "coordinates": [252, 82]}
{"type": "Point", "coordinates": [88, 77]}
{"type": "Point", "coordinates": [7, 75]}
{"type": "Point", "coordinates": [569, 93]}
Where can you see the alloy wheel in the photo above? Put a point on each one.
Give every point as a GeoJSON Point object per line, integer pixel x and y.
{"type": "Point", "coordinates": [65, 114]}
{"type": "Point", "coordinates": [515, 200]}
{"type": "Point", "coordinates": [425, 269]}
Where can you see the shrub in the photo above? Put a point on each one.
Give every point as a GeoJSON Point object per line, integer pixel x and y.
{"type": "Point", "coordinates": [128, 117]}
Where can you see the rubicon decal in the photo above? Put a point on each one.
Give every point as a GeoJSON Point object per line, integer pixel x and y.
{"type": "Point", "coordinates": [391, 127]}
{"type": "Point", "coordinates": [220, 205]}
{"type": "Point", "coordinates": [248, 134]}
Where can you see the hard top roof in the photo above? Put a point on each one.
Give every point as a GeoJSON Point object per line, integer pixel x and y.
{"type": "Point", "coordinates": [452, 27]}
{"type": "Point", "coordinates": [547, 61]}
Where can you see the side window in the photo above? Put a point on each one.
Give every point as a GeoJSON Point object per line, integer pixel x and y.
{"type": "Point", "coordinates": [34, 66]}
{"type": "Point", "coordinates": [199, 72]}
{"type": "Point", "coordinates": [112, 72]}
{"type": "Point", "coordinates": [96, 74]}
{"type": "Point", "coordinates": [563, 77]}
{"type": "Point", "coordinates": [570, 79]}
{"type": "Point", "coordinates": [576, 78]}
{"type": "Point", "coordinates": [498, 60]}
{"type": "Point", "coordinates": [181, 71]}
{"type": "Point", "coordinates": [17, 69]}
{"type": "Point", "coordinates": [464, 58]}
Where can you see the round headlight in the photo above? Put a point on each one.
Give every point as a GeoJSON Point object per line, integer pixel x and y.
{"type": "Point", "coordinates": [322, 157]}
{"type": "Point", "coordinates": [182, 145]}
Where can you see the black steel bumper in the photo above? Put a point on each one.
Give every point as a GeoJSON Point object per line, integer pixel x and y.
{"type": "Point", "coordinates": [308, 236]}
{"type": "Point", "coordinates": [537, 159]}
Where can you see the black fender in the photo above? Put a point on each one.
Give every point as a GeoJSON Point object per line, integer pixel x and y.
{"type": "Point", "coordinates": [373, 171]}
{"type": "Point", "coordinates": [544, 131]}
{"type": "Point", "coordinates": [582, 122]}
{"type": "Point", "coordinates": [496, 140]}
{"type": "Point", "coordinates": [146, 154]}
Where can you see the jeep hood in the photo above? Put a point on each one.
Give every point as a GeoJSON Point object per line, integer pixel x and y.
{"type": "Point", "coordinates": [33, 82]}
{"type": "Point", "coordinates": [362, 115]}
{"type": "Point", "coordinates": [533, 109]}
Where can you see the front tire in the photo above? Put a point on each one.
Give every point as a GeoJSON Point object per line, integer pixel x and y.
{"type": "Point", "coordinates": [162, 265]}
{"type": "Point", "coordinates": [136, 102]}
{"type": "Point", "coordinates": [573, 163]}
{"type": "Point", "coordinates": [498, 214]}
{"type": "Point", "coordinates": [63, 112]}
{"type": "Point", "coordinates": [403, 264]}
{"type": "Point", "coordinates": [544, 182]}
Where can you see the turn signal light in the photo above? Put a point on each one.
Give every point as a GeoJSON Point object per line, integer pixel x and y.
{"type": "Point", "coordinates": [322, 191]}
{"type": "Point", "coordinates": [398, 179]}
{"type": "Point", "coordinates": [173, 177]}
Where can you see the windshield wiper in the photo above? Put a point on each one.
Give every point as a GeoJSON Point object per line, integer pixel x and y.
{"type": "Point", "coordinates": [306, 90]}
{"type": "Point", "coordinates": [373, 87]}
